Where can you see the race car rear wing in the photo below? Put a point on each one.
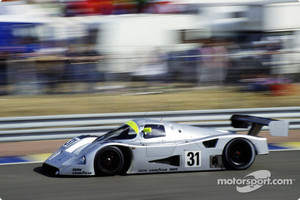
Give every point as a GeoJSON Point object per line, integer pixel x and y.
{"type": "Point", "coordinates": [276, 127]}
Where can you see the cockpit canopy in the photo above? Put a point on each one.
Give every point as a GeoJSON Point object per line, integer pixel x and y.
{"type": "Point", "coordinates": [131, 130]}
{"type": "Point", "coordinates": [153, 131]}
{"type": "Point", "coordinates": [124, 132]}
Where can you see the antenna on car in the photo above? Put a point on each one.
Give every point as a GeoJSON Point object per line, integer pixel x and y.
{"type": "Point", "coordinates": [162, 116]}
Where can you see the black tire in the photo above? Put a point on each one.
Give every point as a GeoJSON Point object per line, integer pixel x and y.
{"type": "Point", "coordinates": [109, 161]}
{"type": "Point", "coordinates": [238, 154]}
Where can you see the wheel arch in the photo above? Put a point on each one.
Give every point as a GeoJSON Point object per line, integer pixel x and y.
{"type": "Point", "coordinates": [229, 143]}
{"type": "Point", "coordinates": [127, 154]}
{"type": "Point", "coordinates": [259, 143]}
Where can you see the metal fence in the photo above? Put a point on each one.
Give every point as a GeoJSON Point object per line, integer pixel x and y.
{"type": "Point", "coordinates": [68, 126]}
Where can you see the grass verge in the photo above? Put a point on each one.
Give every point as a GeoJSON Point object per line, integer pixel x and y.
{"type": "Point", "coordinates": [160, 100]}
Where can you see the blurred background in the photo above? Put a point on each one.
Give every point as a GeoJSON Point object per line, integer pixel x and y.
{"type": "Point", "coordinates": [93, 56]}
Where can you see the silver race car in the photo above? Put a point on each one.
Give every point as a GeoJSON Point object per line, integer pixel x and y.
{"type": "Point", "coordinates": [153, 146]}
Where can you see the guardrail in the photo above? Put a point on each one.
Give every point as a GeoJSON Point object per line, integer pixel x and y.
{"type": "Point", "coordinates": [68, 126]}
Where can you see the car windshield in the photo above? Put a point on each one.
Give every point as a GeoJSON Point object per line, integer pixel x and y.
{"type": "Point", "coordinates": [124, 132]}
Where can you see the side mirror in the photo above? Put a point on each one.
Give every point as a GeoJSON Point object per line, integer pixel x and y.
{"type": "Point", "coordinates": [147, 130]}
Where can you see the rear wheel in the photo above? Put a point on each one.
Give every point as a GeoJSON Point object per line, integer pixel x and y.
{"type": "Point", "coordinates": [238, 154]}
{"type": "Point", "coordinates": [109, 161]}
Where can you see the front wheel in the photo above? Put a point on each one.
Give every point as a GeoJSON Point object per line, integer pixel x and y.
{"type": "Point", "coordinates": [109, 161]}
{"type": "Point", "coordinates": [238, 154]}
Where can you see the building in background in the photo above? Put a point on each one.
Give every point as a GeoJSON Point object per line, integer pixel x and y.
{"type": "Point", "coordinates": [130, 37]}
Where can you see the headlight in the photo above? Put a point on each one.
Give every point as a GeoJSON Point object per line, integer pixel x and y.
{"type": "Point", "coordinates": [82, 160]}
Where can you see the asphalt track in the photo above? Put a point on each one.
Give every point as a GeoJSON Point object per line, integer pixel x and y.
{"type": "Point", "coordinates": [27, 181]}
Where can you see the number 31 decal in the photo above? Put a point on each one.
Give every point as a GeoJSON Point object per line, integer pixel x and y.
{"type": "Point", "coordinates": [192, 158]}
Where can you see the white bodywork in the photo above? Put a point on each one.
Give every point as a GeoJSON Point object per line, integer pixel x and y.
{"type": "Point", "coordinates": [180, 148]}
